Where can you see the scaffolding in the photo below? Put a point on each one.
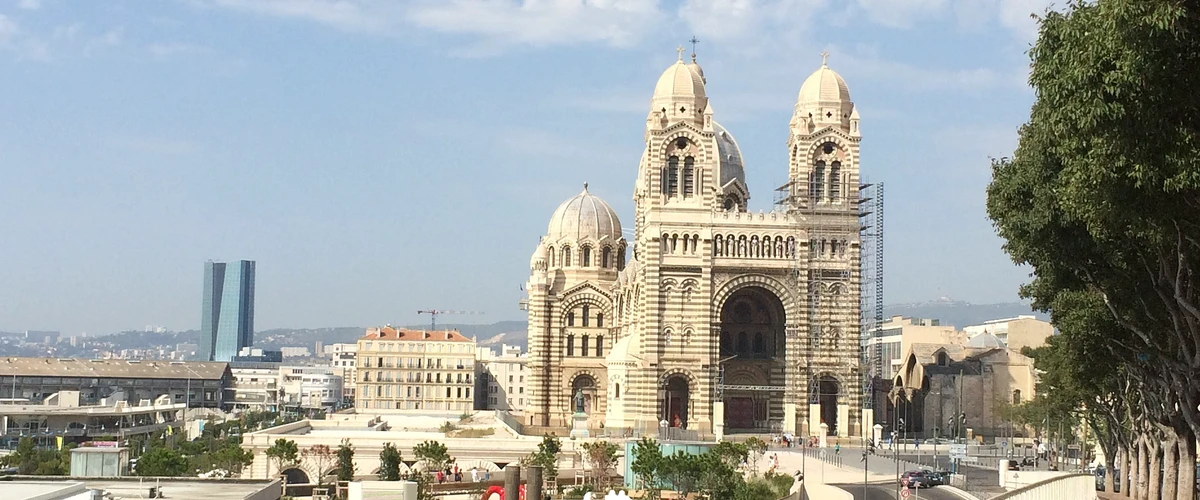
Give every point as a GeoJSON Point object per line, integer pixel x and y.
{"type": "Point", "coordinates": [870, 215]}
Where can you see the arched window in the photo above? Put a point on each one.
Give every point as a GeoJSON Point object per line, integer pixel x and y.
{"type": "Point", "coordinates": [759, 347]}
{"type": "Point", "coordinates": [585, 317]}
{"type": "Point", "coordinates": [571, 344]}
{"type": "Point", "coordinates": [689, 177]}
{"type": "Point", "coordinates": [943, 359]}
{"type": "Point", "coordinates": [672, 176]}
{"type": "Point", "coordinates": [584, 351]}
{"type": "Point", "coordinates": [587, 256]}
{"type": "Point", "coordinates": [842, 249]}
{"type": "Point", "coordinates": [571, 318]}
{"type": "Point", "coordinates": [835, 181]}
{"type": "Point", "coordinates": [833, 247]}
{"type": "Point", "coordinates": [743, 343]}
{"type": "Point", "coordinates": [600, 320]}
{"type": "Point", "coordinates": [605, 257]}
{"type": "Point", "coordinates": [599, 346]}
{"type": "Point", "coordinates": [816, 185]}
{"type": "Point", "coordinates": [726, 343]}
{"type": "Point", "coordinates": [617, 391]}
{"type": "Point", "coordinates": [566, 256]}
{"type": "Point", "coordinates": [1017, 397]}
{"type": "Point", "coordinates": [551, 256]}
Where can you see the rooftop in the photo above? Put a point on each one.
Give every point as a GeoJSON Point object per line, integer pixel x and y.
{"type": "Point", "coordinates": [50, 410]}
{"type": "Point", "coordinates": [391, 333]}
{"type": "Point", "coordinates": [112, 368]}
{"type": "Point", "coordinates": [194, 489]}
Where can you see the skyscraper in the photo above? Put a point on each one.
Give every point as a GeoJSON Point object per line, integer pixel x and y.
{"type": "Point", "coordinates": [227, 318]}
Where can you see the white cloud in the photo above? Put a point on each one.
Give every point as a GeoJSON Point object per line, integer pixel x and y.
{"type": "Point", "coordinates": [29, 4]}
{"type": "Point", "coordinates": [8, 29]}
{"type": "Point", "coordinates": [173, 50]}
{"type": "Point", "coordinates": [901, 13]}
{"type": "Point", "coordinates": [539, 22]}
{"type": "Point", "coordinates": [346, 14]}
{"type": "Point", "coordinates": [110, 38]}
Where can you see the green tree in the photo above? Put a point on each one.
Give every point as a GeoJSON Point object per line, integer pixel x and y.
{"type": "Point", "coordinates": [433, 455]}
{"type": "Point", "coordinates": [546, 456]}
{"type": "Point", "coordinates": [321, 458]}
{"type": "Point", "coordinates": [1100, 200]}
{"type": "Point", "coordinates": [162, 462]}
{"type": "Point", "coordinates": [682, 471]}
{"type": "Point", "coordinates": [284, 453]}
{"type": "Point", "coordinates": [389, 462]}
{"type": "Point", "coordinates": [345, 461]}
{"type": "Point", "coordinates": [601, 456]}
{"type": "Point", "coordinates": [647, 460]}
{"type": "Point", "coordinates": [755, 450]}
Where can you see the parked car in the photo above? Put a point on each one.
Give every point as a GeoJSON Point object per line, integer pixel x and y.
{"type": "Point", "coordinates": [915, 479]}
{"type": "Point", "coordinates": [1100, 472]}
{"type": "Point", "coordinates": [937, 477]}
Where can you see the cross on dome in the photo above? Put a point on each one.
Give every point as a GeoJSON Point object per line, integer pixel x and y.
{"type": "Point", "coordinates": [824, 57]}
{"type": "Point", "coordinates": [694, 41]}
{"type": "Point", "coordinates": [680, 50]}
{"type": "Point", "coordinates": [585, 187]}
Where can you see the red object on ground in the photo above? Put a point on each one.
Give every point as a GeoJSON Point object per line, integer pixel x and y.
{"type": "Point", "coordinates": [499, 491]}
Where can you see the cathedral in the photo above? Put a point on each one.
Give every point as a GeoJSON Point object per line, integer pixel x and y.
{"type": "Point", "coordinates": [708, 317]}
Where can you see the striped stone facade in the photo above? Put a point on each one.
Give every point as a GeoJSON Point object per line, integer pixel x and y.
{"type": "Point", "coordinates": [721, 320]}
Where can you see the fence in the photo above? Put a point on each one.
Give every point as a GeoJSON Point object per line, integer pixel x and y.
{"type": "Point", "coordinates": [1073, 486]}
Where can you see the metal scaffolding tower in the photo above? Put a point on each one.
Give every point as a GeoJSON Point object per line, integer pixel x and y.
{"type": "Point", "coordinates": [870, 204]}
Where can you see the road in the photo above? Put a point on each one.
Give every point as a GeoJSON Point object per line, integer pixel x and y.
{"type": "Point", "coordinates": [886, 492]}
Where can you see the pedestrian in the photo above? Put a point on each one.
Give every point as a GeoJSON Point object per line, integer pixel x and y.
{"type": "Point", "coordinates": [441, 477]}
{"type": "Point", "coordinates": [474, 475]}
{"type": "Point", "coordinates": [837, 449]}
{"type": "Point", "coordinates": [917, 444]}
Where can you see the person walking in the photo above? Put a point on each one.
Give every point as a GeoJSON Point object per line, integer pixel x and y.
{"type": "Point", "coordinates": [837, 449]}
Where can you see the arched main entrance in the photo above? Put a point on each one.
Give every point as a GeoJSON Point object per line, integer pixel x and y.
{"type": "Point", "coordinates": [827, 396]}
{"type": "Point", "coordinates": [674, 400]}
{"type": "Point", "coordinates": [753, 366]}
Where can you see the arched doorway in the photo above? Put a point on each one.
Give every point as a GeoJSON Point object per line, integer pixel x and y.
{"type": "Point", "coordinates": [587, 385]}
{"type": "Point", "coordinates": [753, 363]}
{"type": "Point", "coordinates": [674, 400]}
{"type": "Point", "coordinates": [295, 475]}
{"type": "Point", "coordinates": [827, 397]}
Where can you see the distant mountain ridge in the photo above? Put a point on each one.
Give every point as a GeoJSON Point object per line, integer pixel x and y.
{"type": "Point", "coordinates": [494, 335]}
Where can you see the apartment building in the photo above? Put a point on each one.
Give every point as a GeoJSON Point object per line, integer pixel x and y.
{"type": "Point", "coordinates": [501, 379]}
{"type": "Point", "coordinates": [401, 369]}
{"type": "Point", "coordinates": [343, 360]}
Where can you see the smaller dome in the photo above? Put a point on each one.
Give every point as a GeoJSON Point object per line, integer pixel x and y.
{"type": "Point", "coordinates": [584, 216]}
{"type": "Point", "coordinates": [730, 156]}
{"type": "Point", "coordinates": [619, 351]}
{"type": "Point", "coordinates": [680, 81]}
{"type": "Point", "coordinates": [985, 340]}
{"type": "Point", "coordinates": [538, 260]}
{"type": "Point", "coordinates": [824, 85]}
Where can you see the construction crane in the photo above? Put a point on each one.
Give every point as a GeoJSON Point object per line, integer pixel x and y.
{"type": "Point", "coordinates": [433, 314]}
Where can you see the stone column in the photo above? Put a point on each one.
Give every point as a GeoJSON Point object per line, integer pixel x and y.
{"type": "Point", "coordinates": [789, 417]}
{"type": "Point", "coordinates": [512, 481]}
{"type": "Point", "coordinates": [843, 418]}
{"type": "Point", "coordinates": [814, 419]}
{"type": "Point", "coordinates": [719, 419]}
{"type": "Point", "coordinates": [533, 483]}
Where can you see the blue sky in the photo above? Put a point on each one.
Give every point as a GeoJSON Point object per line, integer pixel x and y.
{"type": "Point", "coordinates": [379, 157]}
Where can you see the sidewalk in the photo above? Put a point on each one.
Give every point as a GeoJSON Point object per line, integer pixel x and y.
{"type": "Point", "coordinates": [820, 472]}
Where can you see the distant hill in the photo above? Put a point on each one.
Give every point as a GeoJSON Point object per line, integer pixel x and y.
{"type": "Point", "coordinates": [960, 314]}
{"type": "Point", "coordinates": [493, 335]}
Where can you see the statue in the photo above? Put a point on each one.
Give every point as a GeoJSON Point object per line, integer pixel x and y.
{"type": "Point", "coordinates": [579, 401]}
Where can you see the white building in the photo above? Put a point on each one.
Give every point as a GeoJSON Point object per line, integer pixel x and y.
{"type": "Point", "coordinates": [310, 387]}
{"type": "Point", "coordinates": [342, 359]}
{"type": "Point", "coordinates": [1015, 333]}
{"type": "Point", "coordinates": [256, 386]}
{"type": "Point", "coordinates": [501, 379]}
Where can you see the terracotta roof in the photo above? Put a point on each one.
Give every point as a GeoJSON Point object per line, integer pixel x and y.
{"type": "Point", "coordinates": [112, 368]}
{"type": "Point", "coordinates": [391, 333]}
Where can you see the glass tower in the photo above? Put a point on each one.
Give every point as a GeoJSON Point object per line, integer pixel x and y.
{"type": "Point", "coordinates": [227, 318]}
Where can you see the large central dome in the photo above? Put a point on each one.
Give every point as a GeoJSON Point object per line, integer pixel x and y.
{"type": "Point", "coordinates": [584, 216]}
